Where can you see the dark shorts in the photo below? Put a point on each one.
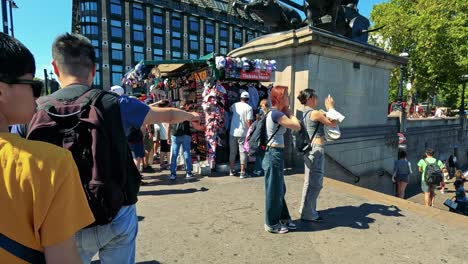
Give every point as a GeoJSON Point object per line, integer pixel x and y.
{"type": "Point", "coordinates": [164, 146]}
{"type": "Point", "coordinates": [138, 150]}
{"type": "Point", "coordinates": [427, 187]}
{"type": "Point", "coordinates": [402, 177]}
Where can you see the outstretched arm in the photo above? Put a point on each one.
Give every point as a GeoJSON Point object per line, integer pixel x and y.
{"type": "Point", "coordinates": [169, 115]}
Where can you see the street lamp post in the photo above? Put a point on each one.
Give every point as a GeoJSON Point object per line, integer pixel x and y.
{"type": "Point", "coordinates": [4, 17]}
{"type": "Point", "coordinates": [12, 5]}
{"type": "Point", "coordinates": [400, 94]}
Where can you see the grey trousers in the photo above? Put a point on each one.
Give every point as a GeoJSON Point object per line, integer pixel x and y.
{"type": "Point", "coordinates": [314, 162]}
{"type": "Point", "coordinates": [237, 144]}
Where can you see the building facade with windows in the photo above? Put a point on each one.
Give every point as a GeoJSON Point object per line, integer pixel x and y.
{"type": "Point", "coordinates": [125, 32]}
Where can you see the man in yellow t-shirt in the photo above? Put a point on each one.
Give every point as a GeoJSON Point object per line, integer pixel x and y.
{"type": "Point", "coordinates": [41, 196]}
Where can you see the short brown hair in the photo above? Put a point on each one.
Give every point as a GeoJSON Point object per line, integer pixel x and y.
{"type": "Point", "coordinates": [74, 55]}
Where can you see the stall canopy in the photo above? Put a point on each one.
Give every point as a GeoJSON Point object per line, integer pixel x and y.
{"type": "Point", "coordinates": [170, 68]}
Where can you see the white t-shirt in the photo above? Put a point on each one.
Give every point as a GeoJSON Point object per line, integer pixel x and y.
{"type": "Point", "coordinates": [162, 129]}
{"type": "Point", "coordinates": [241, 113]}
{"type": "Point", "coordinates": [438, 113]}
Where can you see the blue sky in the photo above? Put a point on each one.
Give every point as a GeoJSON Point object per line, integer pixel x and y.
{"type": "Point", "coordinates": [38, 22]}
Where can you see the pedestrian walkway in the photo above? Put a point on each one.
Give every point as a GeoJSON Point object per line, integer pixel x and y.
{"type": "Point", "coordinates": [220, 220]}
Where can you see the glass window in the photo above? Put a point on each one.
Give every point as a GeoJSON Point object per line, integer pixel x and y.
{"type": "Point", "coordinates": [194, 42]}
{"type": "Point", "coordinates": [158, 19]}
{"type": "Point", "coordinates": [250, 35]}
{"type": "Point", "coordinates": [176, 55]}
{"type": "Point", "coordinates": [138, 12]}
{"type": "Point", "coordinates": [137, 27]}
{"type": "Point", "coordinates": [223, 50]}
{"type": "Point", "coordinates": [117, 55]}
{"type": "Point", "coordinates": [158, 54]}
{"type": "Point", "coordinates": [158, 40]}
{"type": "Point", "coordinates": [176, 43]}
{"type": "Point", "coordinates": [176, 34]}
{"type": "Point", "coordinates": [209, 28]}
{"type": "Point", "coordinates": [88, 6]}
{"type": "Point", "coordinates": [117, 74]}
{"type": "Point", "coordinates": [91, 30]}
{"type": "Point", "coordinates": [158, 31]}
{"type": "Point", "coordinates": [89, 19]}
{"type": "Point", "coordinates": [116, 78]}
{"type": "Point", "coordinates": [223, 33]}
{"type": "Point", "coordinates": [116, 51]}
{"type": "Point", "coordinates": [97, 78]}
{"type": "Point", "coordinates": [138, 54]}
{"type": "Point", "coordinates": [209, 47]}
{"type": "Point", "coordinates": [176, 23]}
{"type": "Point", "coordinates": [116, 9]}
{"type": "Point", "coordinates": [194, 25]}
{"type": "Point", "coordinates": [138, 34]}
{"type": "Point", "coordinates": [117, 68]}
{"type": "Point", "coordinates": [193, 56]}
{"type": "Point", "coordinates": [237, 34]}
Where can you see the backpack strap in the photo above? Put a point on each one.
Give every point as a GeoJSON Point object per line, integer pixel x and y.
{"type": "Point", "coordinates": [316, 128]}
{"type": "Point", "coordinates": [21, 251]}
{"type": "Point", "coordinates": [274, 133]}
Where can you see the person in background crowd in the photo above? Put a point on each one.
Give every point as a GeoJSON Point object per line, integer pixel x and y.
{"type": "Point", "coordinates": [148, 144]}
{"type": "Point", "coordinates": [314, 160]}
{"type": "Point", "coordinates": [242, 118]}
{"type": "Point", "coordinates": [181, 135]}
{"type": "Point", "coordinates": [43, 203]}
{"type": "Point", "coordinates": [280, 118]}
{"type": "Point", "coordinates": [73, 62]}
{"type": "Point", "coordinates": [262, 110]}
{"type": "Point", "coordinates": [401, 173]}
{"type": "Point", "coordinates": [459, 175]}
{"type": "Point", "coordinates": [452, 165]}
{"type": "Point", "coordinates": [460, 197]}
{"type": "Point", "coordinates": [135, 142]}
{"type": "Point", "coordinates": [428, 189]}
{"type": "Point", "coordinates": [164, 137]}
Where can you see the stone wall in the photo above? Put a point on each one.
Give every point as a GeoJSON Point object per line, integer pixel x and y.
{"type": "Point", "coordinates": [357, 76]}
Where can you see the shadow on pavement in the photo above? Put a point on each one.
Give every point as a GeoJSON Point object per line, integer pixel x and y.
{"type": "Point", "coordinates": [356, 217]}
{"type": "Point", "coordinates": [167, 192]}
{"type": "Point", "coordinates": [164, 180]}
{"type": "Point", "coordinates": [141, 262]}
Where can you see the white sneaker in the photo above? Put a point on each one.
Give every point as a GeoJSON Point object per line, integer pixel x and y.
{"type": "Point", "coordinates": [232, 173]}
{"type": "Point", "coordinates": [242, 175]}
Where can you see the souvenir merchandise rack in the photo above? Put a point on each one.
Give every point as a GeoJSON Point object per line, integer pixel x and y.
{"type": "Point", "coordinates": [194, 81]}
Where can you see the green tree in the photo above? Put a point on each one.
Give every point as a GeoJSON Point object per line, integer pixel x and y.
{"type": "Point", "coordinates": [435, 34]}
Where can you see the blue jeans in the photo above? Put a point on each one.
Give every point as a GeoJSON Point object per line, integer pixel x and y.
{"type": "Point", "coordinates": [314, 162]}
{"type": "Point", "coordinates": [275, 189]}
{"type": "Point", "coordinates": [115, 242]}
{"type": "Point", "coordinates": [175, 148]}
{"type": "Point", "coordinates": [258, 163]}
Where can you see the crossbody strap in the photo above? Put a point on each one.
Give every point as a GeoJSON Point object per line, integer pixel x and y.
{"type": "Point", "coordinates": [25, 253]}
{"type": "Point", "coordinates": [276, 131]}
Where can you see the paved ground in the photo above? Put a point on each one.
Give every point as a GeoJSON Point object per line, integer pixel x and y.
{"type": "Point", "coordinates": [220, 220]}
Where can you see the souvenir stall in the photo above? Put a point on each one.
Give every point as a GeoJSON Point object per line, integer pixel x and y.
{"type": "Point", "coordinates": [210, 85]}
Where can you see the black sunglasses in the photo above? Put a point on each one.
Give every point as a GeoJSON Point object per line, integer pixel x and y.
{"type": "Point", "coordinates": [35, 85]}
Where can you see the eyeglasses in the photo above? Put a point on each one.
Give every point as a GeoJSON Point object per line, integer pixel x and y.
{"type": "Point", "coordinates": [35, 85]}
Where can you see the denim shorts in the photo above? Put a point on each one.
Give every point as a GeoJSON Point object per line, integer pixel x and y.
{"type": "Point", "coordinates": [138, 150]}
{"type": "Point", "coordinates": [427, 187]}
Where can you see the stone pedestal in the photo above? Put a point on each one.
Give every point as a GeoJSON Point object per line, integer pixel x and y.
{"type": "Point", "coordinates": [355, 74]}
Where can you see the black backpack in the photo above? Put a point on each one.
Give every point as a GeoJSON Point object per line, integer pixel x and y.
{"type": "Point", "coordinates": [78, 125]}
{"type": "Point", "coordinates": [433, 174]}
{"type": "Point", "coordinates": [302, 139]}
{"type": "Point", "coordinates": [135, 136]}
{"type": "Point", "coordinates": [257, 138]}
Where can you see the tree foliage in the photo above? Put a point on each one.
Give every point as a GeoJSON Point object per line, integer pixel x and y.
{"type": "Point", "coordinates": [435, 34]}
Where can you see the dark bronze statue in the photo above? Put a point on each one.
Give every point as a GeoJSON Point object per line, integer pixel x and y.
{"type": "Point", "coordinates": [337, 16]}
{"type": "Point", "coordinates": [273, 14]}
